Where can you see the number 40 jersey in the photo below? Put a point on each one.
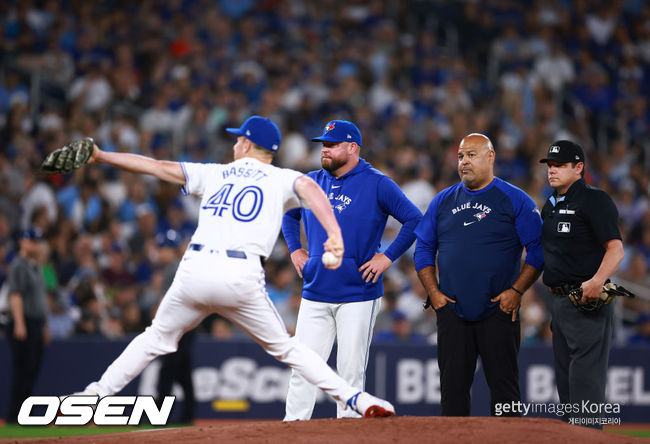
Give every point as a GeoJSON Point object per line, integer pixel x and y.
{"type": "Point", "coordinates": [242, 203]}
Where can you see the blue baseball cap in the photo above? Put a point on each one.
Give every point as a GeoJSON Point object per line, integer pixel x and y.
{"type": "Point", "coordinates": [340, 131]}
{"type": "Point", "coordinates": [33, 233]}
{"type": "Point", "coordinates": [261, 131]}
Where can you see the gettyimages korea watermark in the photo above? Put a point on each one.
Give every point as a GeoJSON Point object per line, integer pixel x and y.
{"type": "Point", "coordinates": [81, 409]}
{"type": "Point", "coordinates": [585, 412]}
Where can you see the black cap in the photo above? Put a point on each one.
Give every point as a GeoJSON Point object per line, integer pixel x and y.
{"type": "Point", "coordinates": [564, 151]}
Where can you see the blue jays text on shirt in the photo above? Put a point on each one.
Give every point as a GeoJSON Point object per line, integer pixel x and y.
{"type": "Point", "coordinates": [339, 202]}
{"type": "Point", "coordinates": [483, 211]}
{"type": "Point", "coordinates": [468, 206]}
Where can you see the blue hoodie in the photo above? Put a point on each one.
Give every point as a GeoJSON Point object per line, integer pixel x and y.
{"type": "Point", "coordinates": [362, 200]}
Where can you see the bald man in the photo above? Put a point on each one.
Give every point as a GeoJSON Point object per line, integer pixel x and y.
{"type": "Point", "coordinates": [478, 228]}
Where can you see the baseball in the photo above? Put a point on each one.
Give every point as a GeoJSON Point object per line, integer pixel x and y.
{"type": "Point", "coordinates": [329, 258]}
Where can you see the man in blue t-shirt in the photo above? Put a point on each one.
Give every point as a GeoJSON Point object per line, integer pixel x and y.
{"type": "Point", "coordinates": [478, 229]}
{"type": "Point", "coordinates": [342, 304]}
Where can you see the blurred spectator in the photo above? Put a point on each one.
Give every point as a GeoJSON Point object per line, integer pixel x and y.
{"type": "Point", "coordinates": [388, 306]}
{"type": "Point", "coordinates": [116, 274]}
{"type": "Point", "coordinates": [400, 332]}
{"type": "Point", "coordinates": [642, 337]}
{"type": "Point", "coordinates": [221, 328]}
{"type": "Point", "coordinates": [175, 219]}
{"type": "Point", "coordinates": [281, 282]}
{"type": "Point", "coordinates": [35, 195]}
{"type": "Point", "coordinates": [92, 91]}
{"type": "Point", "coordinates": [60, 320]}
{"type": "Point", "coordinates": [289, 310]}
{"type": "Point", "coordinates": [12, 90]}
{"type": "Point", "coordinates": [168, 80]}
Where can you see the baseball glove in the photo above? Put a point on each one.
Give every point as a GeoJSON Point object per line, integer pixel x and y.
{"type": "Point", "coordinates": [610, 291]}
{"type": "Point", "coordinates": [68, 158]}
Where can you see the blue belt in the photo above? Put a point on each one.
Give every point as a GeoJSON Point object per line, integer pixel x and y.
{"type": "Point", "coordinates": [237, 254]}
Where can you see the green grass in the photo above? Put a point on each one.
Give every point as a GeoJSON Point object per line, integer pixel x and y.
{"type": "Point", "coordinates": [642, 433]}
{"type": "Point", "coordinates": [18, 431]}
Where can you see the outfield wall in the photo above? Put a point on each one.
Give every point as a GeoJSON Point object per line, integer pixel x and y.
{"type": "Point", "coordinates": [236, 379]}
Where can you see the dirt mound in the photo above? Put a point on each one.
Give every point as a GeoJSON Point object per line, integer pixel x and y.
{"type": "Point", "coordinates": [399, 429]}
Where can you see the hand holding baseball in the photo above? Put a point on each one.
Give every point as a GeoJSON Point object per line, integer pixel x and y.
{"type": "Point", "coordinates": [329, 259]}
{"type": "Point", "coordinates": [333, 255]}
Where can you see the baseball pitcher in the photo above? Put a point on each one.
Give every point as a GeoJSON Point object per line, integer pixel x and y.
{"type": "Point", "coordinates": [242, 204]}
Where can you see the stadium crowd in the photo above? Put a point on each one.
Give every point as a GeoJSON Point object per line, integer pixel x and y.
{"type": "Point", "coordinates": [164, 79]}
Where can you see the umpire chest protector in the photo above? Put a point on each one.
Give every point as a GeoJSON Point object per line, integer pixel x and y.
{"type": "Point", "coordinates": [575, 226]}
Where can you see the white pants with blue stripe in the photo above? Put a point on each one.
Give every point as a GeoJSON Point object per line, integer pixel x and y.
{"type": "Point", "coordinates": [319, 323]}
{"type": "Point", "coordinates": [208, 282]}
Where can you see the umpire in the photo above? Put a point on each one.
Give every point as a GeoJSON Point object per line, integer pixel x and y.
{"type": "Point", "coordinates": [582, 249]}
{"type": "Point", "coordinates": [26, 330]}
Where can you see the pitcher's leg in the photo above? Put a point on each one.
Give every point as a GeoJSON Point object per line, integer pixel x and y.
{"type": "Point", "coordinates": [173, 318]}
{"type": "Point", "coordinates": [259, 319]}
{"type": "Point", "coordinates": [355, 322]}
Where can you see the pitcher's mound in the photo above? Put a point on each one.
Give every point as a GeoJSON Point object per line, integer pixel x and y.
{"type": "Point", "coordinates": [399, 429]}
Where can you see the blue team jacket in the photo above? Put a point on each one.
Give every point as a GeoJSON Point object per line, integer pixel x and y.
{"type": "Point", "coordinates": [362, 200]}
{"type": "Point", "coordinates": [479, 237]}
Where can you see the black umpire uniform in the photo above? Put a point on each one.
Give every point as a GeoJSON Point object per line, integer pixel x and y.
{"type": "Point", "coordinates": [28, 305]}
{"type": "Point", "coordinates": [577, 226]}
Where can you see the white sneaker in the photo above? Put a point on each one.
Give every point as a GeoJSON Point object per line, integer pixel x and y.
{"type": "Point", "coordinates": [370, 406]}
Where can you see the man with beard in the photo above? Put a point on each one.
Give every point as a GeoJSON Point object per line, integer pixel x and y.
{"type": "Point", "coordinates": [342, 304]}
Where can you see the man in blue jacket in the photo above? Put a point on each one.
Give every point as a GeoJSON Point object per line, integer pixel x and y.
{"type": "Point", "coordinates": [342, 304]}
{"type": "Point", "coordinates": [478, 228]}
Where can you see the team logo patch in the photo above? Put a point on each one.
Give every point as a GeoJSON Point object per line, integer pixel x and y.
{"type": "Point", "coordinates": [554, 149]}
{"type": "Point", "coordinates": [564, 227]}
{"type": "Point", "coordinates": [479, 217]}
{"type": "Point", "coordinates": [340, 202]}
{"type": "Point", "coordinates": [329, 127]}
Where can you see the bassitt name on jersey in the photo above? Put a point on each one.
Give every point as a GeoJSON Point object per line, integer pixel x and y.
{"type": "Point", "coordinates": [469, 206]}
{"type": "Point", "coordinates": [81, 409]}
{"type": "Point", "coordinates": [254, 173]}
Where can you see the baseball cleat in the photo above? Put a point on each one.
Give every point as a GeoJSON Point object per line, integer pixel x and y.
{"type": "Point", "coordinates": [370, 406]}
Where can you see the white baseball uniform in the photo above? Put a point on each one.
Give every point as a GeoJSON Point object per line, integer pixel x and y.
{"type": "Point", "coordinates": [241, 213]}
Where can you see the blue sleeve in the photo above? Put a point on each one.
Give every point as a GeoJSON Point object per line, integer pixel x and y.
{"type": "Point", "coordinates": [528, 224]}
{"type": "Point", "coordinates": [393, 201]}
{"type": "Point", "coordinates": [291, 229]}
{"type": "Point", "coordinates": [426, 232]}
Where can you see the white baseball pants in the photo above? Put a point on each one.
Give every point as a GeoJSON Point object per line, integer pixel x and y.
{"type": "Point", "coordinates": [207, 282]}
{"type": "Point", "coordinates": [319, 323]}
